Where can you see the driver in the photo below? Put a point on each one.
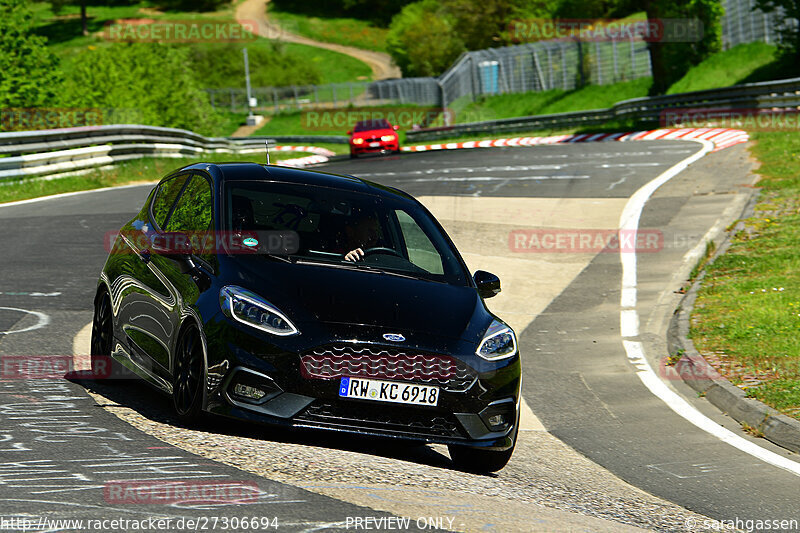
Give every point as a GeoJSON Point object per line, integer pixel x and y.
{"type": "Point", "coordinates": [364, 234]}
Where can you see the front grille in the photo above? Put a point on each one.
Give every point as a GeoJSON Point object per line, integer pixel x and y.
{"type": "Point", "coordinates": [395, 420]}
{"type": "Point", "coordinates": [379, 362]}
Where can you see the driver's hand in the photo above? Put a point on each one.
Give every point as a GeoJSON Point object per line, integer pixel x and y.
{"type": "Point", "coordinates": [355, 255]}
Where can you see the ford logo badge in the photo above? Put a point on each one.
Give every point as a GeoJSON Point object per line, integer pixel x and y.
{"type": "Point", "coordinates": [394, 337]}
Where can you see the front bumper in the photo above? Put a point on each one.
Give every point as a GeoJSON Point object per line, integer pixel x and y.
{"type": "Point", "coordinates": [392, 146]}
{"type": "Point", "coordinates": [463, 415]}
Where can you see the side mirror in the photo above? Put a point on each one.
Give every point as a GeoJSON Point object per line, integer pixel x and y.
{"type": "Point", "coordinates": [395, 127]}
{"type": "Point", "coordinates": [175, 245]}
{"type": "Point", "coordinates": [349, 133]}
{"type": "Point", "coordinates": [488, 284]}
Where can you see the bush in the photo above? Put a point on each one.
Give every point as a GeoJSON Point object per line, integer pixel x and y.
{"type": "Point", "coordinates": [141, 83]}
{"type": "Point", "coordinates": [222, 65]}
{"type": "Point", "coordinates": [28, 72]}
{"type": "Point", "coordinates": [379, 12]}
{"type": "Point", "coordinates": [422, 39]}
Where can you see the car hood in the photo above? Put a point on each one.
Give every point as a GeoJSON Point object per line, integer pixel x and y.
{"type": "Point", "coordinates": [321, 294]}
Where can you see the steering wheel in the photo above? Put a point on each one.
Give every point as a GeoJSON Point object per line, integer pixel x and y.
{"type": "Point", "coordinates": [381, 250]}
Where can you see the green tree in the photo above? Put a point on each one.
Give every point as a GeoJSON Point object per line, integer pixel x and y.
{"type": "Point", "coordinates": [58, 5]}
{"type": "Point", "coordinates": [671, 60]}
{"type": "Point", "coordinates": [379, 12]}
{"type": "Point", "coordinates": [427, 36]}
{"type": "Point", "coordinates": [485, 23]}
{"type": "Point", "coordinates": [192, 5]}
{"type": "Point", "coordinates": [28, 71]}
{"type": "Point", "coordinates": [422, 39]}
{"type": "Point", "coordinates": [140, 83]}
{"type": "Point", "coordinates": [789, 32]}
{"type": "Point", "coordinates": [270, 66]}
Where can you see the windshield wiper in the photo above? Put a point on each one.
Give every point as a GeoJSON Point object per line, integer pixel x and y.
{"type": "Point", "coordinates": [371, 268]}
{"type": "Point", "coordinates": [352, 265]}
{"type": "Point", "coordinates": [275, 257]}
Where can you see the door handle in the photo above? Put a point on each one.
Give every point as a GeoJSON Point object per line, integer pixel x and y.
{"type": "Point", "coordinates": [144, 255]}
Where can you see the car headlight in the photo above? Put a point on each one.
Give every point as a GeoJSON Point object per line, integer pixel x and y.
{"type": "Point", "coordinates": [358, 141]}
{"type": "Point", "coordinates": [499, 342]}
{"type": "Point", "coordinates": [388, 137]}
{"type": "Point", "coordinates": [248, 308]}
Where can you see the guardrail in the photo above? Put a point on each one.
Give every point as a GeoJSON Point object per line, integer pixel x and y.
{"type": "Point", "coordinates": [48, 152]}
{"type": "Point", "coordinates": [778, 95]}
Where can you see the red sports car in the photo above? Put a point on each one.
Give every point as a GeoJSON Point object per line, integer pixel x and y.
{"type": "Point", "coordinates": [374, 135]}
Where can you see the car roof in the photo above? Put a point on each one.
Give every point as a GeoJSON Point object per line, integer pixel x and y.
{"type": "Point", "coordinates": [376, 123]}
{"type": "Point", "coordinates": [232, 172]}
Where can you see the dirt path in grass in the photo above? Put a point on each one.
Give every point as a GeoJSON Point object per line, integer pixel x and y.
{"type": "Point", "coordinates": [256, 10]}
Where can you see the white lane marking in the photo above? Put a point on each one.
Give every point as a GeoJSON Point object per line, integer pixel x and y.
{"type": "Point", "coordinates": [466, 170]}
{"type": "Point", "coordinates": [36, 294]}
{"type": "Point", "coordinates": [76, 193]}
{"type": "Point", "coordinates": [495, 178]}
{"type": "Point", "coordinates": [629, 165]}
{"type": "Point", "coordinates": [629, 320]}
{"type": "Point", "coordinates": [42, 322]}
{"type": "Point", "coordinates": [81, 348]}
{"type": "Point", "coordinates": [528, 421]}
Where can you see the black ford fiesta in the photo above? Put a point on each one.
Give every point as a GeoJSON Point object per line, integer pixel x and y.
{"type": "Point", "coordinates": [309, 300]}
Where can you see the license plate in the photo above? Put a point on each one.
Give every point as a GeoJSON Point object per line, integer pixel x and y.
{"type": "Point", "coordinates": [374, 145]}
{"type": "Point", "coordinates": [388, 391]}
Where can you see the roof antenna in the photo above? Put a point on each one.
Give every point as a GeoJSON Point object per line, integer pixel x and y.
{"type": "Point", "coordinates": [267, 143]}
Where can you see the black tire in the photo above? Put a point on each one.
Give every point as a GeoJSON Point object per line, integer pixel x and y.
{"type": "Point", "coordinates": [102, 337]}
{"type": "Point", "coordinates": [352, 155]}
{"type": "Point", "coordinates": [187, 381]}
{"type": "Point", "coordinates": [479, 461]}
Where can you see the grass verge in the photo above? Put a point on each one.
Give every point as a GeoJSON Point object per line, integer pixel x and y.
{"type": "Point", "coordinates": [547, 102]}
{"type": "Point", "coordinates": [346, 31]}
{"type": "Point", "coordinates": [745, 63]}
{"type": "Point", "coordinates": [746, 321]}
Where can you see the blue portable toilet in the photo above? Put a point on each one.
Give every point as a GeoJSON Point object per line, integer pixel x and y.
{"type": "Point", "coordinates": [490, 73]}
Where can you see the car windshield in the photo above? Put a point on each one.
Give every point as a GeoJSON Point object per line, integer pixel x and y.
{"type": "Point", "coordinates": [395, 236]}
{"type": "Point", "coordinates": [373, 124]}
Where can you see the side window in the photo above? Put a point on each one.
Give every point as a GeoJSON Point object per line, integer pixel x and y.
{"type": "Point", "coordinates": [193, 213]}
{"type": "Point", "coordinates": [421, 250]}
{"type": "Point", "coordinates": [165, 197]}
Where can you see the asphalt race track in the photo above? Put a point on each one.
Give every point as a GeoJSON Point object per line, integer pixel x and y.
{"type": "Point", "coordinates": [599, 452]}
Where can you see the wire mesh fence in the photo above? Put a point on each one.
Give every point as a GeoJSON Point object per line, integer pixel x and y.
{"type": "Point", "coordinates": [545, 65]}
{"type": "Point", "coordinates": [421, 91]}
{"type": "Point", "coordinates": [522, 68]}
{"type": "Point", "coordinates": [742, 23]}
{"type": "Point", "coordinates": [563, 64]}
